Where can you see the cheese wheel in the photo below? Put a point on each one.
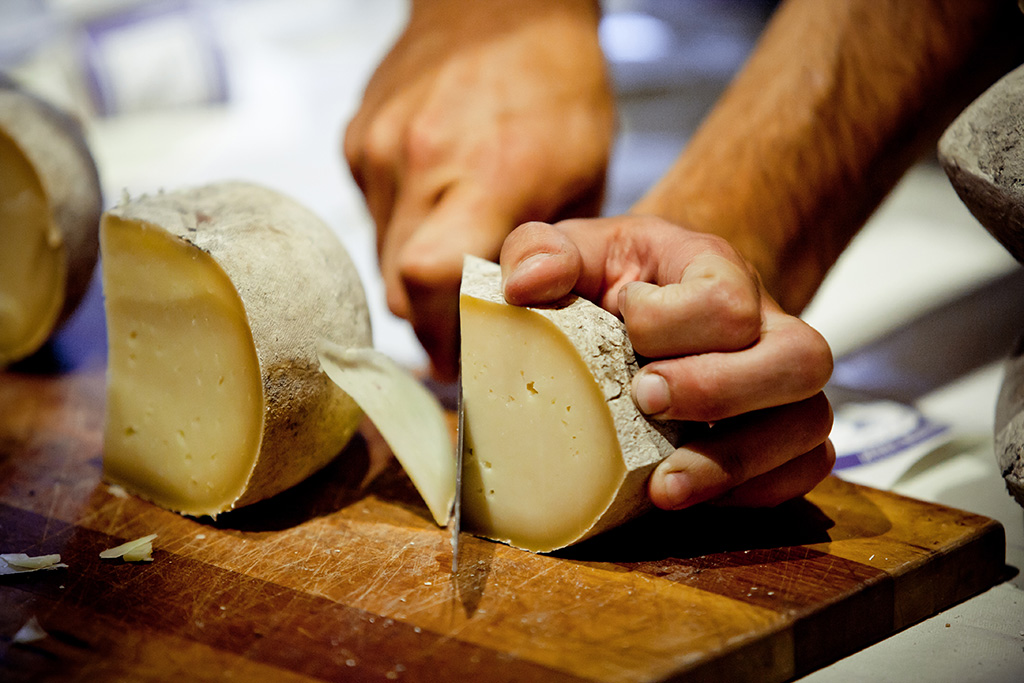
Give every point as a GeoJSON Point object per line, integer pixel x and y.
{"type": "Point", "coordinates": [50, 205]}
{"type": "Point", "coordinates": [216, 299]}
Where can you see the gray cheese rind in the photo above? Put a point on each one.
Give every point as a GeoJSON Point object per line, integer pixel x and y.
{"type": "Point", "coordinates": [982, 152]}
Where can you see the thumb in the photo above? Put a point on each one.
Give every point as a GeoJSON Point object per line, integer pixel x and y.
{"type": "Point", "coordinates": [539, 264]}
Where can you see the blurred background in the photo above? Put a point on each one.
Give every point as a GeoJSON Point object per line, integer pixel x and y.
{"type": "Point", "coordinates": [182, 92]}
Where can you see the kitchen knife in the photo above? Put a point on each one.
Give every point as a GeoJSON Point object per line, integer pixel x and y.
{"type": "Point", "coordinates": [460, 446]}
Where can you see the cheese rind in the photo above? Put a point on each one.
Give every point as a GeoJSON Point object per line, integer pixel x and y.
{"type": "Point", "coordinates": [556, 449]}
{"type": "Point", "coordinates": [216, 299]}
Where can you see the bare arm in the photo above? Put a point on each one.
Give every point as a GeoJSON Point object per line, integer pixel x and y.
{"type": "Point", "coordinates": [836, 102]}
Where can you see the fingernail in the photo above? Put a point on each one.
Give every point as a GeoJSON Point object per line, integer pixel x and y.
{"type": "Point", "coordinates": [623, 294]}
{"type": "Point", "coordinates": [528, 264]}
{"type": "Point", "coordinates": [650, 391]}
{"type": "Point", "coordinates": [677, 489]}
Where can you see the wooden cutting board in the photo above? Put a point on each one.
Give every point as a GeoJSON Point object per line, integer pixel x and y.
{"type": "Point", "coordinates": [344, 579]}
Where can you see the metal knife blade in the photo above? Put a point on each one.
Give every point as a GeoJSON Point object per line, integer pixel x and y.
{"type": "Point", "coordinates": [460, 447]}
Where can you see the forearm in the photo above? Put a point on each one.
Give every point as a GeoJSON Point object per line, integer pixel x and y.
{"type": "Point", "coordinates": [838, 99]}
{"type": "Point", "coordinates": [481, 18]}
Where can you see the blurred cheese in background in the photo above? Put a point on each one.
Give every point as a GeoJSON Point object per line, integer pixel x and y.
{"type": "Point", "coordinates": [115, 57]}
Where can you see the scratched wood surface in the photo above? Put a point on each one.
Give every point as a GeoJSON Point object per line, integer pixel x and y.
{"type": "Point", "coordinates": [346, 578]}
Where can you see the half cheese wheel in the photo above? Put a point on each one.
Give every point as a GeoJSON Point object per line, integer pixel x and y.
{"type": "Point", "coordinates": [50, 205]}
{"type": "Point", "coordinates": [216, 300]}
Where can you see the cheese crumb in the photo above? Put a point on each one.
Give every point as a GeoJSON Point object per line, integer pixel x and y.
{"type": "Point", "coordinates": [30, 632]}
{"type": "Point", "coordinates": [117, 491]}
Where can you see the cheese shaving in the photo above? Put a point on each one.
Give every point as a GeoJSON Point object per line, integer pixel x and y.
{"type": "Point", "coordinates": [20, 563]}
{"type": "Point", "coordinates": [138, 550]}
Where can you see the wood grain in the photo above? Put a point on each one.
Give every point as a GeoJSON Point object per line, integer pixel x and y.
{"type": "Point", "coordinates": [345, 577]}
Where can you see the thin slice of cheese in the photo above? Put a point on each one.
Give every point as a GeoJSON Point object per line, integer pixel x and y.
{"type": "Point", "coordinates": [184, 410]}
{"type": "Point", "coordinates": [30, 632]}
{"type": "Point", "coordinates": [408, 416]}
{"type": "Point", "coordinates": [32, 259]}
{"type": "Point", "coordinates": [556, 450]}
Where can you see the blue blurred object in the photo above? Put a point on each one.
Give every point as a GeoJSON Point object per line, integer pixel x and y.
{"type": "Point", "coordinates": [80, 344]}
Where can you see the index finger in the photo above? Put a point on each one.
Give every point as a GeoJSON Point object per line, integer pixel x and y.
{"type": "Point", "coordinates": [790, 362]}
{"type": "Point", "coordinates": [715, 306]}
{"type": "Point", "coordinates": [422, 267]}
{"type": "Point", "coordinates": [539, 264]}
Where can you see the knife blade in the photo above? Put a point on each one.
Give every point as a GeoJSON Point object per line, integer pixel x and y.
{"type": "Point", "coordinates": [460, 447]}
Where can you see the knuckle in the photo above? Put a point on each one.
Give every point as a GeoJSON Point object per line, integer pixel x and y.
{"type": "Point", "coordinates": [737, 312]}
{"type": "Point", "coordinates": [357, 170]}
{"type": "Point", "coordinates": [380, 143]}
{"type": "Point", "coordinates": [424, 143]}
{"type": "Point", "coordinates": [714, 244]}
{"type": "Point", "coordinates": [397, 301]}
{"type": "Point", "coordinates": [351, 146]}
{"type": "Point", "coordinates": [428, 270]}
{"type": "Point", "coordinates": [817, 464]}
{"type": "Point", "coordinates": [814, 422]}
{"type": "Point", "coordinates": [824, 417]}
{"type": "Point", "coordinates": [813, 360]}
{"type": "Point", "coordinates": [827, 459]}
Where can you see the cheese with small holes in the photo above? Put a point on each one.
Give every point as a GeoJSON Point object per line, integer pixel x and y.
{"type": "Point", "coordinates": [216, 299]}
{"type": "Point", "coordinates": [556, 450]}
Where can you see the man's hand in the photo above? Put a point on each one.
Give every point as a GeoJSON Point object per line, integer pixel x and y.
{"type": "Point", "coordinates": [723, 352]}
{"type": "Point", "coordinates": [484, 115]}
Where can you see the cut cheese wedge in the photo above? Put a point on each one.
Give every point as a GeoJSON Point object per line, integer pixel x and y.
{"type": "Point", "coordinates": [49, 216]}
{"type": "Point", "coordinates": [556, 450]}
{"type": "Point", "coordinates": [216, 298]}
